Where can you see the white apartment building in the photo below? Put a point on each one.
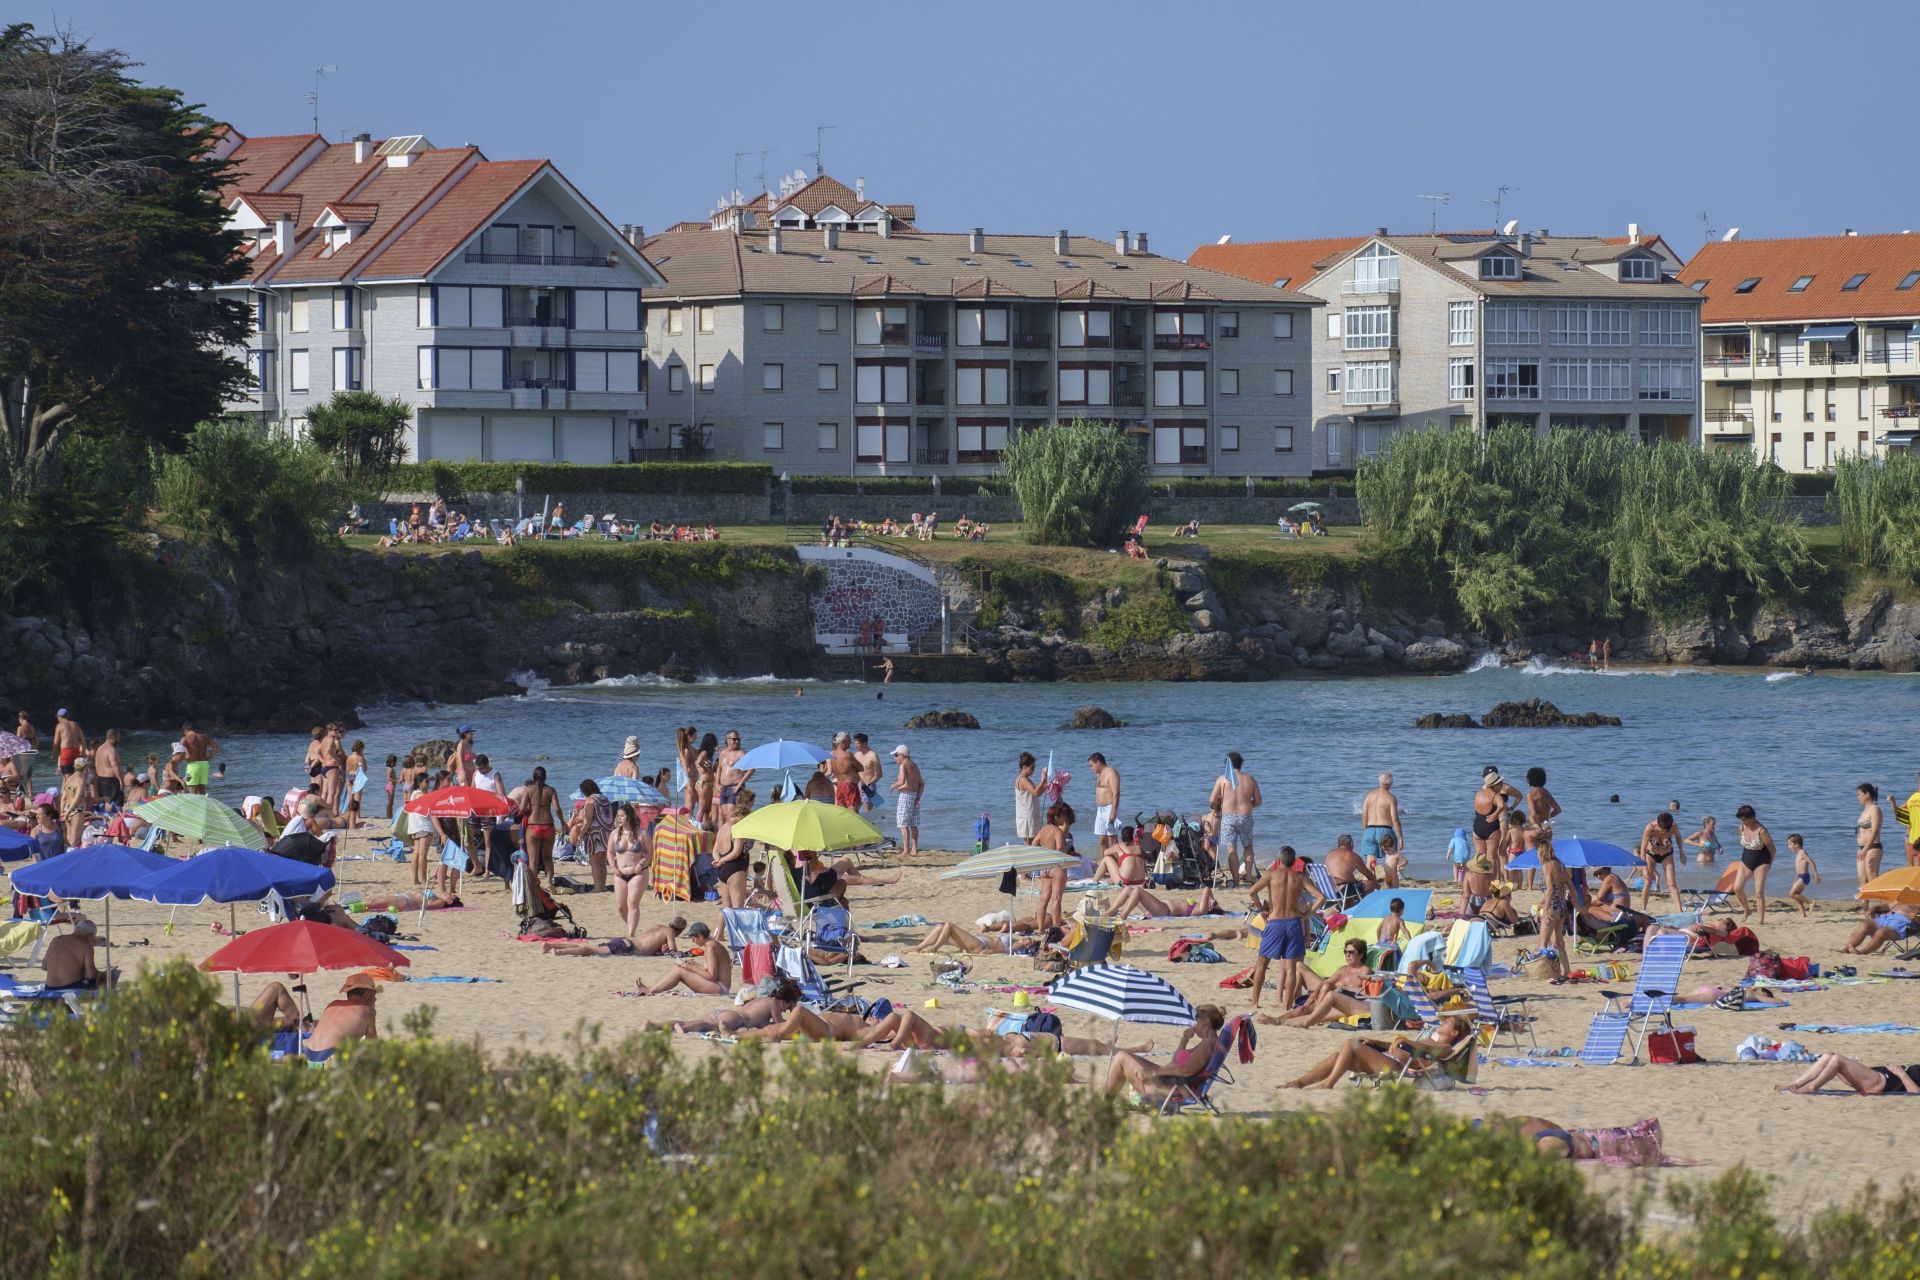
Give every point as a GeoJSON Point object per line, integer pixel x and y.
{"type": "Point", "coordinates": [489, 295]}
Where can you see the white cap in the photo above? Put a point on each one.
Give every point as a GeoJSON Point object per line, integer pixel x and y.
{"type": "Point", "coordinates": [901, 750]}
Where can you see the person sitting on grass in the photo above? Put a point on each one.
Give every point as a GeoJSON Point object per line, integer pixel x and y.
{"type": "Point", "coordinates": [1152, 1081]}
{"type": "Point", "coordinates": [1342, 994]}
{"type": "Point", "coordinates": [648, 942]}
{"type": "Point", "coordinates": [711, 975]}
{"type": "Point", "coordinates": [1380, 1058]}
{"type": "Point", "coordinates": [1882, 925]}
{"type": "Point", "coordinates": [732, 1020]}
{"type": "Point", "coordinates": [1863, 1079]}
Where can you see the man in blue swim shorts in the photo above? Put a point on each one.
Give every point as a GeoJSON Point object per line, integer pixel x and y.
{"type": "Point", "coordinates": [1279, 896]}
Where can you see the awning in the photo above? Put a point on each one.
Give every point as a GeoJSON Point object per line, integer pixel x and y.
{"type": "Point", "coordinates": [1827, 332]}
{"type": "Point", "coordinates": [1898, 439]}
{"type": "Point", "coordinates": [1731, 437]}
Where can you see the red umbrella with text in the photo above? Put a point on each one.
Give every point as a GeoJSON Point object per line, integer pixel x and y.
{"type": "Point", "coordinates": [460, 802]}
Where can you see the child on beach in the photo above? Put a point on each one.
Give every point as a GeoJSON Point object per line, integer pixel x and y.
{"type": "Point", "coordinates": [1387, 865]}
{"type": "Point", "coordinates": [1804, 873]}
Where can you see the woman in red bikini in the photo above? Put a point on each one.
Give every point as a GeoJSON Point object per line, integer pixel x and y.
{"type": "Point", "coordinates": [540, 804]}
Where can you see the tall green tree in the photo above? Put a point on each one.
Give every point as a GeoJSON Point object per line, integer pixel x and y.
{"type": "Point", "coordinates": [111, 238]}
{"type": "Point", "coordinates": [365, 433]}
{"type": "Point", "coordinates": [1080, 484]}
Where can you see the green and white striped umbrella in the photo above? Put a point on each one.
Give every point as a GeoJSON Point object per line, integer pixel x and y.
{"type": "Point", "coordinates": [1008, 857]}
{"type": "Point", "coordinates": [200, 818]}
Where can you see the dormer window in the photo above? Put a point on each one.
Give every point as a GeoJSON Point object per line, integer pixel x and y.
{"type": "Point", "coordinates": [1376, 269]}
{"type": "Point", "coordinates": [1639, 267]}
{"type": "Point", "coordinates": [1499, 266]}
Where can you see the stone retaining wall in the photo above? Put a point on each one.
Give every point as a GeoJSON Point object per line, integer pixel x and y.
{"type": "Point", "coordinates": [861, 583]}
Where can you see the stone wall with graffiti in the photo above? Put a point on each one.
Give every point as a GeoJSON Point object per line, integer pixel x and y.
{"type": "Point", "coordinates": [863, 591]}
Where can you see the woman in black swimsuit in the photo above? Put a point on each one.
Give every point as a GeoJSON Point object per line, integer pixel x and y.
{"type": "Point", "coordinates": [1864, 1079]}
{"type": "Point", "coordinates": [1489, 802]}
{"type": "Point", "coordinates": [1658, 844]}
{"type": "Point", "coordinates": [731, 857]}
{"type": "Point", "coordinates": [1756, 855]}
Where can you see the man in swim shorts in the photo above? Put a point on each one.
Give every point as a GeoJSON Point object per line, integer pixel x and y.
{"type": "Point", "coordinates": [1236, 794]}
{"type": "Point", "coordinates": [1380, 814]}
{"type": "Point", "coordinates": [1285, 937]}
{"type": "Point", "coordinates": [68, 740]}
{"type": "Point", "coordinates": [200, 753]}
{"type": "Point", "coordinates": [1106, 800]}
{"type": "Point", "coordinates": [869, 762]}
{"type": "Point", "coordinates": [845, 772]}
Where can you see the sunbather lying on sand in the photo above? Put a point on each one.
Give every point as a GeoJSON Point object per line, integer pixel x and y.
{"type": "Point", "coordinates": [905, 1029]}
{"type": "Point", "coordinates": [648, 942]}
{"type": "Point", "coordinates": [1863, 1079]}
{"type": "Point", "coordinates": [1378, 1058]}
{"type": "Point", "coordinates": [755, 1013]}
{"type": "Point", "coordinates": [1138, 899]}
{"type": "Point", "coordinates": [802, 1023]}
{"type": "Point", "coordinates": [1636, 1145]}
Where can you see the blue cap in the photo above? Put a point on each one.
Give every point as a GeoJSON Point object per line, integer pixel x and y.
{"type": "Point", "coordinates": [463, 730]}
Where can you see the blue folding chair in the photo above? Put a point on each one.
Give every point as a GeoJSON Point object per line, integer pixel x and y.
{"type": "Point", "coordinates": [793, 960]}
{"type": "Point", "coordinates": [1619, 1025]}
{"type": "Point", "coordinates": [830, 928]}
{"type": "Point", "coordinates": [1500, 1014]}
{"type": "Point", "coordinates": [750, 938]}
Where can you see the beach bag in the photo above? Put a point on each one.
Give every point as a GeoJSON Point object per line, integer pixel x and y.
{"type": "Point", "coordinates": [1544, 964]}
{"type": "Point", "coordinates": [1765, 965]}
{"type": "Point", "coordinates": [1797, 968]}
{"type": "Point", "coordinates": [1672, 1047]}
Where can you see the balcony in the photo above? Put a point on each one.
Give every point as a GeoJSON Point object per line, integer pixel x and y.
{"type": "Point", "coordinates": [1180, 342]}
{"type": "Point", "coordinates": [1027, 399]}
{"type": "Point", "coordinates": [1125, 398]}
{"type": "Point", "coordinates": [1833, 358]}
{"type": "Point", "coordinates": [1371, 286]}
{"type": "Point", "coordinates": [542, 384]}
{"type": "Point", "coordinates": [537, 322]}
{"type": "Point", "coordinates": [537, 259]}
{"type": "Point", "coordinates": [924, 341]}
{"type": "Point", "coordinates": [932, 457]}
{"type": "Point", "coordinates": [1122, 342]}
{"type": "Point", "coordinates": [1901, 411]}
{"type": "Point", "coordinates": [1742, 416]}
{"type": "Point", "coordinates": [894, 335]}
{"type": "Point", "coordinates": [1730, 360]}
{"type": "Point", "coordinates": [1372, 396]}
{"type": "Point", "coordinates": [930, 395]}
{"type": "Point", "coordinates": [1035, 341]}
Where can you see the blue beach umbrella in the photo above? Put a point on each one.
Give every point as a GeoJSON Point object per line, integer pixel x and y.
{"type": "Point", "coordinates": [1575, 852]}
{"type": "Point", "coordinates": [106, 871]}
{"type": "Point", "coordinates": [14, 845]}
{"type": "Point", "coordinates": [781, 754]}
{"type": "Point", "coordinates": [626, 791]}
{"type": "Point", "coordinates": [231, 874]}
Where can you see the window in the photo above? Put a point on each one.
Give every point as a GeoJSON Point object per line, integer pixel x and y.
{"type": "Point", "coordinates": [1369, 327]}
{"type": "Point", "coordinates": [1865, 408]}
{"type": "Point", "coordinates": [773, 377]}
{"type": "Point", "coordinates": [828, 321]}
{"type": "Point", "coordinates": [1086, 384]}
{"type": "Point", "coordinates": [346, 311]}
{"type": "Point", "coordinates": [617, 371]}
{"type": "Point", "coordinates": [869, 439]}
{"type": "Point", "coordinates": [1227, 324]}
{"type": "Point", "coordinates": [1333, 443]}
{"type": "Point", "coordinates": [258, 314]}
{"type": "Point", "coordinates": [1827, 462]}
{"type": "Point", "coordinates": [703, 319]}
{"type": "Point", "coordinates": [1853, 282]}
{"type": "Point", "coordinates": [1179, 444]}
{"type": "Point", "coordinates": [1283, 282]}
{"type": "Point", "coordinates": [1283, 382]}
{"type": "Point", "coordinates": [298, 301]}
{"type": "Point", "coordinates": [1376, 269]}
{"type": "Point", "coordinates": [1773, 449]}
{"type": "Point", "coordinates": [1283, 439]}
{"type": "Point", "coordinates": [1229, 382]}
{"type": "Point", "coordinates": [623, 310]}
{"type": "Point", "coordinates": [423, 308]}
{"type": "Point", "coordinates": [1180, 385]}
{"type": "Point", "coordinates": [826, 437]}
{"type": "Point", "coordinates": [1639, 268]}
{"type": "Point", "coordinates": [1665, 326]}
{"type": "Point", "coordinates": [297, 372]}
{"type": "Point", "coordinates": [979, 327]}
{"type": "Point", "coordinates": [882, 381]}
{"type": "Point", "coordinates": [484, 368]}
{"type": "Point", "coordinates": [875, 325]}
{"type": "Point", "coordinates": [773, 318]}
{"type": "Point", "coordinates": [460, 307]}
{"type": "Point", "coordinates": [1459, 378]}
{"type": "Point", "coordinates": [676, 321]}
{"type": "Point", "coordinates": [979, 439]}
{"type": "Point", "coordinates": [1806, 451]}
{"type": "Point", "coordinates": [1612, 379]}
{"type": "Point", "coordinates": [297, 427]}
{"type": "Point", "coordinates": [827, 378]}
{"type": "Point", "coordinates": [773, 436]}
{"type": "Point", "coordinates": [1283, 325]}
{"type": "Point", "coordinates": [1460, 324]}
{"type": "Point", "coordinates": [1333, 382]}
{"type": "Point", "coordinates": [1748, 285]}
{"type": "Point", "coordinates": [1229, 439]}
{"type": "Point", "coordinates": [1666, 380]}
{"type": "Point", "coordinates": [1499, 266]}
{"type": "Point", "coordinates": [1370, 382]}
{"type": "Point", "coordinates": [977, 383]}
{"type": "Point", "coordinates": [1588, 324]}
{"type": "Point", "coordinates": [706, 377]}
{"type": "Point", "coordinates": [1800, 285]}
{"type": "Point", "coordinates": [676, 378]}
{"type": "Point", "coordinates": [1086, 327]}
{"type": "Point", "coordinates": [1909, 280]}
{"type": "Point", "coordinates": [1179, 330]}
{"type": "Point", "coordinates": [1577, 379]}
{"type": "Point", "coordinates": [1513, 324]}
{"type": "Point", "coordinates": [260, 370]}
{"type": "Point", "coordinates": [1333, 324]}
{"type": "Point", "coordinates": [1833, 413]}
{"type": "Point", "coordinates": [1512, 379]}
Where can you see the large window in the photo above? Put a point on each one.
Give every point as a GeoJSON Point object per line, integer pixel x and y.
{"type": "Point", "coordinates": [977, 383]}
{"type": "Point", "coordinates": [1567, 380]}
{"type": "Point", "coordinates": [1370, 382]}
{"type": "Point", "coordinates": [979, 440]}
{"type": "Point", "coordinates": [1513, 324]}
{"type": "Point", "coordinates": [875, 325]}
{"type": "Point", "coordinates": [869, 439]}
{"type": "Point", "coordinates": [1460, 324]}
{"type": "Point", "coordinates": [616, 371]}
{"type": "Point", "coordinates": [1086, 384]}
{"type": "Point", "coordinates": [1179, 444]}
{"type": "Point", "coordinates": [1180, 385]}
{"type": "Point", "coordinates": [474, 368]}
{"type": "Point", "coordinates": [1666, 380]}
{"type": "Point", "coordinates": [614, 310]}
{"type": "Point", "coordinates": [1459, 378]}
{"type": "Point", "coordinates": [1578, 379]}
{"type": "Point", "coordinates": [880, 381]}
{"type": "Point", "coordinates": [1086, 327]}
{"type": "Point", "coordinates": [1639, 267]}
{"type": "Point", "coordinates": [1588, 324]}
{"type": "Point", "coordinates": [1179, 330]}
{"type": "Point", "coordinates": [1499, 266]}
{"type": "Point", "coordinates": [1612, 379]}
{"type": "Point", "coordinates": [464, 307]}
{"type": "Point", "coordinates": [1369, 327]}
{"type": "Point", "coordinates": [980, 327]}
{"type": "Point", "coordinates": [1512, 379]}
{"type": "Point", "coordinates": [1666, 326]}
{"type": "Point", "coordinates": [1376, 269]}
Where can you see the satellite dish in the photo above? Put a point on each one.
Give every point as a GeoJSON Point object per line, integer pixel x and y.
{"type": "Point", "coordinates": [800, 177]}
{"type": "Point", "coordinates": [1513, 225]}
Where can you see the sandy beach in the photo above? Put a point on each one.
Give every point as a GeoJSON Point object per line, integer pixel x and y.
{"type": "Point", "coordinates": [1820, 1150]}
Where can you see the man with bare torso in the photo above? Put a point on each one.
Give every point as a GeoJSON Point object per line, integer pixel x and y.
{"type": "Point", "coordinates": [1348, 871]}
{"type": "Point", "coordinates": [908, 786]}
{"type": "Point", "coordinates": [1379, 818]}
{"type": "Point", "coordinates": [1285, 937]}
{"type": "Point", "coordinates": [107, 769]}
{"type": "Point", "coordinates": [69, 959]}
{"type": "Point", "coordinates": [845, 772]}
{"type": "Point", "coordinates": [869, 761]}
{"type": "Point", "coordinates": [1236, 794]}
{"type": "Point", "coordinates": [68, 740]}
{"type": "Point", "coordinates": [1106, 800]}
{"type": "Point", "coordinates": [200, 753]}
{"type": "Point", "coordinates": [732, 776]}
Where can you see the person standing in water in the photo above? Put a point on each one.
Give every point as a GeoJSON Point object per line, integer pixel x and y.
{"type": "Point", "coordinates": [1380, 818]}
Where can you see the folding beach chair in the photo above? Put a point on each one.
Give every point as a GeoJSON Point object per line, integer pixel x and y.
{"type": "Point", "coordinates": [751, 941]}
{"type": "Point", "coordinates": [1425, 1007]}
{"type": "Point", "coordinates": [830, 928]}
{"type": "Point", "coordinates": [1652, 997]}
{"type": "Point", "coordinates": [1459, 1065]}
{"type": "Point", "coordinates": [1095, 944]}
{"type": "Point", "coordinates": [1196, 1091]}
{"type": "Point", "coordinates": [1498, 1014]}
{"type": "Point", "coordinates": [815, 990]}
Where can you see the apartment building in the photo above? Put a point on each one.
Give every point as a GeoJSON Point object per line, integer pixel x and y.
{"type": "Point", "coordinates": [489, 295]}
{"type": "Point", "coordinates": [1481, 327]}
{"type": "Point", "coordinates": [1808, 345]}
{"type": "Point", "coordinates": [824, 333]}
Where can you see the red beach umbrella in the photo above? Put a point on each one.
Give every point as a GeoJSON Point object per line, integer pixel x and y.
{"type": "Point", "coordinates": [301, 946]}
{"type": "Point", "coordinates": [460, 802]}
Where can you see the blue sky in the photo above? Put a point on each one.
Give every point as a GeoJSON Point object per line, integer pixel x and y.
{"type": "Point", "coordinates": [1187, 121]}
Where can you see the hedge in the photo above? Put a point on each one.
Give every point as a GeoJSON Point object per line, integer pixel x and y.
{"type": "Point", "coordinates": [458, 479]}
{"type": "Point", "coordinates": [1813, 484]}
{"type": "Point", "coordinates": [954, 486]}
{"type": "Point", "coordinates": [1231, 487]}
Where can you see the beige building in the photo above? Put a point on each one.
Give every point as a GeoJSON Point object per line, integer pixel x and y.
{"type": "Point", "coordinates": [1810, 346]}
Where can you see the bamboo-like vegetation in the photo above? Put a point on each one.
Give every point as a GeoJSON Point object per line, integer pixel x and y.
{"type": "Point", "coordinates": [1879, 505]}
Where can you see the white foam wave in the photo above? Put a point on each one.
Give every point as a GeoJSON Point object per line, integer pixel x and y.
{"type": "Point", "coordinates": [1545, 667]}
{"type": "Point", "coordinates": [1778, 676]}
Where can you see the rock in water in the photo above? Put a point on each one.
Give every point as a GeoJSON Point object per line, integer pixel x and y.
{"type": "Point", "coordinates": [1536, 713]}
{"type": "Point", "coordinates": [948, 719]}
{"type": "Point", "coordinates": [1093, 718]}
{"type": "Point", "coordinates": [434, 752]}
{"type": "Point", "coordinates": [1446, 720]}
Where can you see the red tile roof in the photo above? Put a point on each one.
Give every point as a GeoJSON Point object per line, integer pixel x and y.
{"type": "Point", "coordinates": [257, 161]}
{"type": "Point", "coordinates": [393, 194]}
{"type": "Point", "coordinates": [468, 206]}
{"type": "Point", "coordinates": [272, 205]}
{"type": "Point", "coordinates": [354, 211]}
{"type": "Point", "coordinates": [1830, 260]}
{"type": "Point", "coordinates": [1272, 261]}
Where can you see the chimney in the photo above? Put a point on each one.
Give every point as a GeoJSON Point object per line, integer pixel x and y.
{"type": "Point", "coordinates": [1060, 242]}
{"type": "Point", "coordinates": [282, 236]}
{"type": "Point", "coordinates": [830, 235]}
{"type": "Point", "coordinates": [773, 240]}
{"type": "Point", "coordinates": [976, 241]}
{"type": "Point", "coordinates": [362, 147]}
{"type": "Point", "coordinates": [1120, 243]}
{"type": "Point", "coordinates": [1380, 231]}
{"type": "Point", "coordinates": [886, 226]}
{"type": "Point", "coordinates": [1140, 243]}
{"type": "Point", "coordinates": [1526, 244]}
{"type": "Point", "coordinates": [1633, 232]}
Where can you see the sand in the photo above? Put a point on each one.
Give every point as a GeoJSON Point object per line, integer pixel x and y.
{"type": "Point", "coordinates": [1820, 1149]}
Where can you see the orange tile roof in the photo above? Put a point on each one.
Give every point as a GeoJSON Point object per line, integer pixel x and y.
{"type": "Point", "coordinates": [354, 210]}
{"type": "Point", "coordinates": [1830, 260]}
{"type": "Point", "coordinates": [463, 210]}
{"type": "Point", "coordinates": [1271, 261]}
{"type": "Point", "coordinates": [272, 205]}
{"type": "Point", "coordinates": [256, 161]}
{"type": "Point", "coordinates": [393, 194]}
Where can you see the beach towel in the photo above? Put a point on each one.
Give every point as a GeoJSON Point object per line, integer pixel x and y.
{"type": "Point", "coordinates": [1849, 1029]}
{"type": "Point", "coordinates": [902, 922]}
{"type": "Point", "coordinates": [453, 977]}
{"type": "Point", "coordinates": [1534, 1062]}
{"type": "Point", "coordinates": [676, 843]}
{"type": "Point", "coordinates": [411, 946]}
{"type": "Point", "coordinates": [452, 855]}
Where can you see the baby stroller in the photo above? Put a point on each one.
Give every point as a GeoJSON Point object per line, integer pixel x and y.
{"type": "Point", "coordinates": [1191, 864]}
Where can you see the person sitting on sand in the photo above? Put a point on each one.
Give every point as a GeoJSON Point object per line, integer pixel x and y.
{"type": "Point", "coordinates": [1341, 995]}
{"type": "Point", "coordinates": [1150, 1080]}
{"type": "Point", "coordinates": [68, 959]}
{"type": "Point", "coordinates": [1863, 1079]}
{"type": "Point", "coordinates": [648, 942]}
{"type": "Point", "coordinates": [1882, 925]}
{"type": "Point", "coordinates": [1380, 1058]}
{"type": "Point", "coordinates": [732, 1020]}
{"type": "Point", "coordinates": [1476, 881]}
{"type": "Point", "coordinates": [711, 975]}
{"type": "Point", "coordinates": [351, 1017]}
{"type": "Point", "coordinates": [1138, 899]}
{"type": "Point", "coordinates": [1123, 863]}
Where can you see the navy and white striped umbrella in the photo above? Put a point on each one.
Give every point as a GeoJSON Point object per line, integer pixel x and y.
{"type": "Point", "coordinates": [1123, 993]}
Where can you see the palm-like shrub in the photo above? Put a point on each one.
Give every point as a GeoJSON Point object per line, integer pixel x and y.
{"type": "Point", "coordinates": [1080, 484]}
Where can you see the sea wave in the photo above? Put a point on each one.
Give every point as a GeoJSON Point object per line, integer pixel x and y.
{"type": "Point", "coordinates": [1544, 667]}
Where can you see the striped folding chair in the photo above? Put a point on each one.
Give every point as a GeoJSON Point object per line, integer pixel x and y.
{"type": "Point", "coordinates": [1498, 1014]}
{"type": "Point", "coordinates": [750, 939]}
{"type": "Point", "coordinates": [1625, 1025]}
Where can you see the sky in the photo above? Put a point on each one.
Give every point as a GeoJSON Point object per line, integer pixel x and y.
{"type": "Point", "coordinates": [1188, 121]}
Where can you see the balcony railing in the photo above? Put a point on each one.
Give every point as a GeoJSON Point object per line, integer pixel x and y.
{"type": "Point", "coordinates": [539, 384]}
{"type": "Point", "coordinates": [1122, 342]}
{"type": "Point", "coordinates": [1731, 360]}
{"type": "Point", "coordinates": [1125, 399]}
{"type": "Point", "coordinates": [538, 259]}
{"type": "Point", "coordinates": [1901, 411]}
{"type": "Point", "coordinates": [1729, 415]}
{"type": "Point", "coordinates": [1033, 399]}
{"type": "Point", "coordinates": [926, 341]}
{"type": "Point", "coordinates": [1372, 395]}
{"type": "Point", "coordinates": [1180, 342]}
{"type": "Point", "coordinates": [1371, 286]}
{"type": "Point", "coordinates": [536, 322]}
{"type": "Point", "coordinates": [931, 457]}
{"type": "Point", "coordinates": [892, 335]}
{"type": "Point", "coordinates": [1832, 357]}
{"type": "Point", "coordinates": [930, 395]}
{"type": "Point", "coordinates": [1033, 341]}
{"type": "Point", "coordinates": [1899, 353]}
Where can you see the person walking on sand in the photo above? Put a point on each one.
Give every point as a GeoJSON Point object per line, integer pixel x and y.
{"type": "Point", "coordinates": [1106, 800]}
{"type": "Point", "coordinates": [1659, 850]}
{"type": "Point", "coordinates": [1756, 855]}
{"type": "Point", "coordinates": [1236, 794]}
{"type": "Point", "coordinates": [1285, 937]}
{"type": "Point", "coordinates": [1028, 800]}
{"type": "Point", "coordinates": [1379, 818]}
{"type": "Point", "coordinates": [910, 786]}
{"type": "Point", "coordinates": [1805, 872]}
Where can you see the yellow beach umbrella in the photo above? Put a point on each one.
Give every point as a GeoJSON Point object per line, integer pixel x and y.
{"type": "Point", "coordinates": [1900, 886]}
{"type": "Point", "coordinates": [807, 824]}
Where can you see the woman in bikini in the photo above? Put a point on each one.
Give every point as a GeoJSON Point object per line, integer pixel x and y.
{"type": "Point", "coordinates": [1756, 855]}
{"type": "Point", "coordinates": [1381, 1058]}
{"type": "Point", "coordinates": [1657, 850]}
{"type": "Point", "coordinates": [1058, 835]}
{"type": "Point", "coordinates": [540, 807]}
{"type": "Point", "coordinates": [1867, 833]}
{"type": "Point", "coordinates": [1556, 888]}
{"type": "Point", "coordinates": [1706, 840]}
{"type": "Point", "coordinates": [706, 779]}
{"type": "Point", "coordinates": [1343, 994]}
{"type": "Point", "coordinates": [1863, 1079]}
{"type": "Point", "coordinates": [755, 1013]}
{"type": "Point", "coordinates": [1138, 898]}
{"type": "Point", "coordinates": [731, 857]}
{"type": "Point", "coordinates": [627, 846]}
{"type": "Point", "coordinates": [1150, 1079]}
{"type": "Point", "coordinates": [683, 740]}
{"type": "Point", "coordinates": [710, 975]}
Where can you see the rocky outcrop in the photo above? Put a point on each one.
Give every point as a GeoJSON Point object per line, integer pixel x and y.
{"type": "Point", "coordinates": [948, 719]}
{"type": "Point", "coordinates": [434, 752]}
{"type": "Point", "coordinates": [1537, 713]}
{"type": "Point", "coordinates": [1093, 718]}
{"type": "Point", "coordinates": [1446, 720]}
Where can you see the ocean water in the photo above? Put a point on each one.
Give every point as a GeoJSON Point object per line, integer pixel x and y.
{"type": "Point", "coordinates": [1792, 746]}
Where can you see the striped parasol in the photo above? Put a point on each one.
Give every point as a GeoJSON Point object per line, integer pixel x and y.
{"type": "Point", "coordinates": [1122, 993]}
{"type": "Point", "coordinates": [200, 818]}
{"type": "Point", "coordinates": [1008, 857]}
{"type": "Point", "coordinates": [626, 791]}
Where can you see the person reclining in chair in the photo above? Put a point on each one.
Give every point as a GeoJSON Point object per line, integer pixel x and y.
{"type": "Point", "coordinates": [1150, 1080]}
{"type": "Point", "coordinates": [1380, 1058]}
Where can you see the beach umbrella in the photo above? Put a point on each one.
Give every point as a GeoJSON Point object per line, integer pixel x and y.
{"type": "Point", "coordinates": [12, 745]}
{"type": "Point", "coordinates": [231, 874]}
{"type": "Point", "coordinates": [98, 871]}
{"type": "Point", "coordinates": [1363, 922]}
{"type": "Point", "coordinates": [1008, 857]}
{"type": "Point", "coordinates": [625, 791]}
{"type": "Point", "coordinates": [781, 754]}
{"type": "Point", "coordinates": [1302, 508]}
{"type": "Point", "coordinates": [200, 818]}
{"type": "Point", "coordinates": [460, 802]}
{"type": "Point", "coordinates": [14, 845]}
{"type": "Point", "coordinates": [1122, 993]}
{"type": "Point", "coordinates": [302, 946]}
{"type": "Point", "coordinates": [1900, 886]}
{"type": "Point", "coordinates": [1578, 853]}
{"type": "Point", "coordinates": [807, 824]}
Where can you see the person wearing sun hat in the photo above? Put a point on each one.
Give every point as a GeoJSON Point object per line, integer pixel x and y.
{"type": "Point", "coordinates": [351, 1017]}
{"type": "Point", "coordinates": [1476, 882]}
{"type": "Point", "coordinates": [629, 764]}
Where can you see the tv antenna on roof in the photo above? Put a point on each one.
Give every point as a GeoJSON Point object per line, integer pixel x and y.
{"type": "Point", "coordinates": [1433, 213]}
{"type": "Point", "coordinates": [819, 144]}
{"type": "Point", "coordinates": [1705, 222]}
{"type": "Point", "coordinates": [313, 99]}
{"type": "Point", "coordinates": [1499, 198]}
